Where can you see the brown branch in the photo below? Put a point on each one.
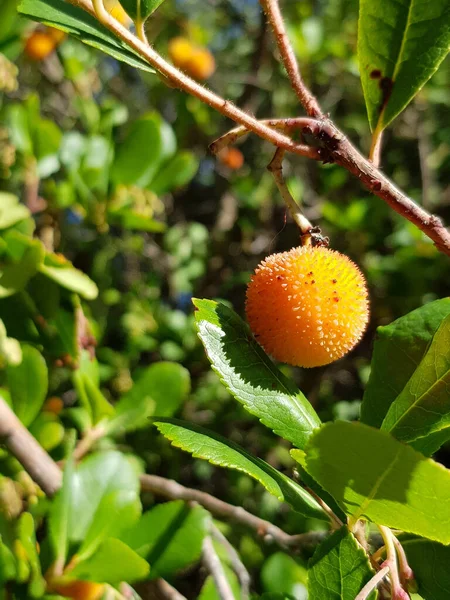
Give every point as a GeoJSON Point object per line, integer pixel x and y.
{"type": "Point", "coordinates": [275, 18]}
{"type": "Point", "coordinates": [185, 83]}
{"type": "Point", "coordinates": [335, 147]}
{"type": "Point", "coordinates": [235, 561]}
{"type": "Point", "coordinates": [174, 491]}
{"type": "Point", "coordinates": [287, 124]}
{"type": "Point", "coordinates": [342, 152]}
{"type": "Point", "coordinates": [28, 451]}
{"type": "Point", "coordinates": [166, 590]}
{"type": "Point", "coordinates": [214, 566]}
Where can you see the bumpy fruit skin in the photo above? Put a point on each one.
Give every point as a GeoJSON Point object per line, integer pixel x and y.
{"type": "Point", "coordinates": [196, 62]}
{"type": "Point", "coordinates": [307, 307]}
{"type": "Point", "coordinates": [39, 45]}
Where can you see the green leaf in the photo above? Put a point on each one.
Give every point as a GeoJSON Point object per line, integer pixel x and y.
{"type": "Point", "coordinates": [429, 561]}
{"type": "Point", "coordinates": [423, 406]}
{"type": "Point", "coordinates": [339, 569]}
{"type": "Point", "coordinates": [375, 477]}
{"type": "Point", "coordinates": [27, 536]}
{"type": "Point", "coordinates": [224, 453]}
{"type": "Point", "coordinates": [48, 431]}
{"type": "Point", "coordinates": [169, 536]}
{"type": "Point", "coordinates": [28, 384]}
{"type": "Point", "coordinates": [400, 45]}
{"type": "Point", "coordinates": [112, 562]}
{"type": "Point", "coordinates": [160, 390]}
{"type": "Point", "coordinates": [104, 487]}
{"type": "Point", "coordinates": [24, 258]}
{"type": "Point", "coordinates": [139, 155]}
{"type": "Point", "coordinates": [68, 277]}
{"type": "Point", "coordinates": [58, 520]}
{"type": "Point", "coordinates": [19, 130]}
{"type": "Point", "coordinates": [176, 173]}
{"type": "Point", "coordinates": [249, 374]}
{"type": "Point", "coordinates": [11, 211]}
{"type": "Point", "coordinates": [398, 350]}
{"type": "Point", "coordinates": [140, 9]}
{"type": "Point", "coordinates": [80, 24]}
{"type": "Point", "coordinates": [282, 574]}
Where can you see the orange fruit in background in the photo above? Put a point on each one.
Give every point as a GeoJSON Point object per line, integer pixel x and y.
{"type": "Point", "coordinates": [307, 307]}
{"type": "Point", "coordinates": [39, 45]}
{"type": "Point", "coordinates": [56, 34]}
{"type": "Point", "coordinates": [195, 61]}
{"type": "Point", "coordinates": [231, 158]}
{"type": "Point", "coordinates": [54, 405]}
{"type": "Point", "coordinates": [80, 590]}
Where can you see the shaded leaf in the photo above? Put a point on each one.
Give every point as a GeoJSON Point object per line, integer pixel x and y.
{"type": "Point", "coordinates": [375, 477]}
{"type": "Point", "coordinates": [398, 350]}
{"type": "Point", "coordinates": [339, 568]}
{"type": "Point", "coordinates": [429, 561]}
{"type": "Point", "coordinates": [224, 453]}
{"type": "Point", "coordinates": [176, 173]}
{"type": "Point", "coordinates": [251, 376]}
{"type": "Point", "coordinates": [400, 45]}
{"type": "Point", "coordinates": [169, 536]}
{"type": "Point", "coordinates": [139, 155]}
{"type": "Point", "coordinates": [83, 26]}
{"type": "Point", "coordinates": [423, 407]}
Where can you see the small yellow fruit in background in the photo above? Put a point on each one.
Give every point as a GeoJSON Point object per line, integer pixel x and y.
{"type": "Point", "coordinates": [116, 10]}
{"type": "Point", "coordinates": [39, 45]}
{"type": "Point", "coordinates": [196, 62]}
{"type": "Point", "coordinates": [307, 307]}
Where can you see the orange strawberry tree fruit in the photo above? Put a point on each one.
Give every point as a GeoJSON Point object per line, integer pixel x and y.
{"type": "Point", "coordinates": [382, 499]}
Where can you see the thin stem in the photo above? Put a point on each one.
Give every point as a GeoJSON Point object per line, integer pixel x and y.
{"type": "Point", "coordinates": [236, 563]}
{"type": "Point", "coordinates": [275, 18]}
{"type": "Point", "coordinates": [372, 584]}
{"type": "Point", "coordinates": [287, 124]}
{"type": "Point", "coordinates": [185, 83]}
{"type": "Point", "coordinates": [214, 566]}
{"type": "Point", "coordinates": [167, 590]}
{"type": "Point", "coordinates": [406, 573]}
{"type": "Point", "coordinates": [334, 145]}
{"type": "Point", "coordinates": [140, 30]}
{"type": "Point", "coordinates": [375, 148]}
{"type": "Point", "coordinates": [335, 520]}
{"type": "Point", "coordinates": [174, 491]}
{"type": "Point", "coordinates": [398, 593]}
{"type": "Point", "coordinates": [276, 168]}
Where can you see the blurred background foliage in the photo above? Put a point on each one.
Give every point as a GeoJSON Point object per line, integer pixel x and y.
{"type": "Point", "coordinates": [114, 168]}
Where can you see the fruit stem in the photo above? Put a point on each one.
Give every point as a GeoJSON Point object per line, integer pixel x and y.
{"type": "Point", "coordinates": [397, 591]}
{"type": "Point", "coordinates": [276, 168]}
